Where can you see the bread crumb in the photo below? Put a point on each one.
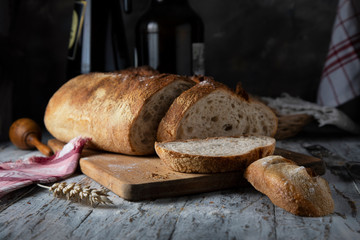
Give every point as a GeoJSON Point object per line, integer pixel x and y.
{"type": "Point", "coordinates": [158, 176]}
{"type": "Point", "coordinates": [207, 82]}
{"type": "Point", "coordinates": [298, 169]}
{"type": "Point", "coordinates": [264, 163]}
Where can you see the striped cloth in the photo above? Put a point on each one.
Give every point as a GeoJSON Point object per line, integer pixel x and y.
{"type": "Point", "coordinates": [340, 81]}
{"type": "Point", "coordinates": [38, 169]}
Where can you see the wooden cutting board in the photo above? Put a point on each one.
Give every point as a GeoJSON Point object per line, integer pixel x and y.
{"type": "Point", "coordinates": [145, 177]}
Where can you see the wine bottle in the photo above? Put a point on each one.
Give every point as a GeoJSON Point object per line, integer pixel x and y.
{"type": "Point", "coordinates": [170, 38]}
{"type": "Point", "coordinates": [97, 40]}
{"type": "Point", "coordinates": [75, 43]}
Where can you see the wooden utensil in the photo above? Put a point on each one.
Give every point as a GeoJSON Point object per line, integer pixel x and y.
{"type": "Point", "coordinates": [26, 134]}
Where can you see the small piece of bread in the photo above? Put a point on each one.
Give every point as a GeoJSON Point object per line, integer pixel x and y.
{"type": "Point", "coordinates": [290, 186]}
{"type": "Point", "coordinates": [210, 109]}
{"type": "Point", "coordinates": [211, 155]}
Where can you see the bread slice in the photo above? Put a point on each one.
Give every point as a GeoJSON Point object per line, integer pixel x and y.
{"type": "Point", "coordinates": [211, 155]}
{"type": "Point", "coordinates": [120, 112]}
{"type": "Point", "coordinates": [210, 109]}
{"type": "Point", "coordinates": [290, 186]}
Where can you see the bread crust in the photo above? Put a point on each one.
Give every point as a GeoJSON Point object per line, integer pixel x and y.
{"type": "Point", "coordinates": [104, 107]}
{"type": "Point", "coordinates": [142, 71]}
{"type": "Point", "coordinates": [170, 124]}
{"type": "Point", "coordinates": [190, 163]}
{"type": "Point", "coordinates": [291, 187]}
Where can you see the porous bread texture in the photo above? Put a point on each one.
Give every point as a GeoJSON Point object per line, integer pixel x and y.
{"type": "Point", "coordinates": [210, 109]}
{"type": "Point", "coordinates": [118, 111]}
{"type": "Point", "coordinates": [290, 186]}
{"type": "Point", "coordinates": [143, 132]}
{"type": "Point", "coordinates": [212, 155]}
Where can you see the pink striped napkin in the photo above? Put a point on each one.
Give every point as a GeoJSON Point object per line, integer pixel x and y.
{"type": "Point", "coordinates": [37, 169]}
{"type": "Point", "coordinates": [340, 81]}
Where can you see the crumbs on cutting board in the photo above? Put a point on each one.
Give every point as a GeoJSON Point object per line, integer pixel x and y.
{"type": "Point", "coordinates": [157, 176]}
{"type": "Point", "coordinates": [128, 167]}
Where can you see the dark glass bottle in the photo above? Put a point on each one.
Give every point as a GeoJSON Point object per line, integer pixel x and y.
{"type": "Point", "coordinates": [170, 38]}
{"type": "Point", "coordinates": [102, 44]}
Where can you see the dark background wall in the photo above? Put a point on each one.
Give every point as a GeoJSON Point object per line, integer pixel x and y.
{"type": "Point", "coordinates": [270, 46]}
{"type": "Point", "coordinates": [34, 36]}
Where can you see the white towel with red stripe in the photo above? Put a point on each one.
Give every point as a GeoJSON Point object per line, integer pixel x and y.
{"type": "Point", "coordinates": [35, 169]}
{"type": "Point", "coordinates": [288, 105]}
{"type": "Point", "coordinates": [340, 81]}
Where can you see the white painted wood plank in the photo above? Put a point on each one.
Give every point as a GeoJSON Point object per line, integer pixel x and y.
{"type": "Point", "coordinates": [234, 214]}
{"type": "Point", "coordinates": [32, 213]}
{"type": "Point", "coordinates": [344, 223]}
{"type": "Point", "coordinates": [39, 214]}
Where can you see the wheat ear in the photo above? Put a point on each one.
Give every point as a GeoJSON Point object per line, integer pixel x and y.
{"type": "Point", "coordinates": [77, 192]}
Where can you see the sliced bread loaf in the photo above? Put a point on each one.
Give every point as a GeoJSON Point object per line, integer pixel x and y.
{"type": "Point", "coordinates": [290, 186]}
{"type": "Point", "coordinates": [210, 109]}
{"type": "Point", "coordinates": [211, 155]}
{"type": "Point", "coordinates": [120, 112]}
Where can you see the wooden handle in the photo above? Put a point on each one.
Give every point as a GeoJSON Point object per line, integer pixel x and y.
{"type": "Point", "coordinates": [26, 134]}
{"type": "Point", "coordinates": [34, 141]}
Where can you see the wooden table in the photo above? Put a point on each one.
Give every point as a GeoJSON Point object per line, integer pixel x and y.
{"type": "Point", "coordinates": [33, 213]}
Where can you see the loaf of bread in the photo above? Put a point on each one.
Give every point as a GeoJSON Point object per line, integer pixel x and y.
{"type": "Point", "coordinates": [210, 109]}
{"type": "Point", "coordinates": [120, 112]}
{"type": "Point", "coordinates": [290, 186]}
{"type": "Point", "coordinates": [211, 155]}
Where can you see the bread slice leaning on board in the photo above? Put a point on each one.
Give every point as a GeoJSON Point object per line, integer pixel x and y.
{"type": "Point", "coordinates": [212, 155]}
{"type": "Point", "coordinates": [210, 109]}
{"type": "Point", "coordinates": [290, 186]}
{"type": "Point", "coordinates": [119, 111]}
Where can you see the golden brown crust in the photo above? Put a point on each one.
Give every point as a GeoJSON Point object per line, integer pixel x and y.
{"type": "Point", "coordinates": [142, 71]}
{"type": "Point", "coordinates": [241, 91]}
{"type": "Point", "coordinates": [103, 106]}
{"type": "Point", "coordinates": [200, 78]}
{"type": "Point", "coordinates": [291, 187]}
{"type": "Point", "coordinates": [190, 163]}
{"type": "Point", "coordinates": [271, 111]}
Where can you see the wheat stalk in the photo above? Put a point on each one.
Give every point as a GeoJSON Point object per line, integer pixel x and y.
{"type": "Point", "coordinates": [77, 192]}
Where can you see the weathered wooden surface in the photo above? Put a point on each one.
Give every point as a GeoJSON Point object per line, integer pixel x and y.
{"type": "Point", "coordinates": [241, 213]}
{"type": "Point", "coordinates": [146, 177]}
